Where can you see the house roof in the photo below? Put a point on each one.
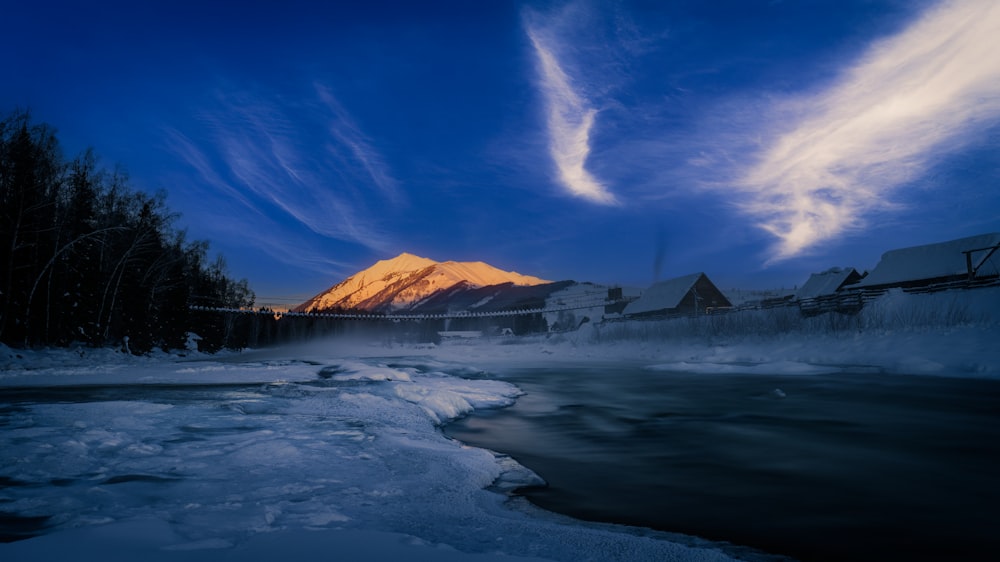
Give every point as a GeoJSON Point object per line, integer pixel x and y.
{"type": "Point", "coordinates": [663, 295]}
{"type": "Point", "coordinates": [932, 261]}
{"type": "Point", "coordinates": [825, 283]}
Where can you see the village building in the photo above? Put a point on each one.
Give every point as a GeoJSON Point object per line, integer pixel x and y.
{"type": "Point", "coordinates": [965, 259]}
{"type": "Point", "coordinates": [829, 292]}
{"type": "Point", "coordinates": [827, 282]}
{"type": "Point", "coordinates": [687, 295]}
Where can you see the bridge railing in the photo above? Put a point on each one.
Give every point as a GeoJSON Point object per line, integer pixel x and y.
{"type": "Point", "coordinates": [431, 316]}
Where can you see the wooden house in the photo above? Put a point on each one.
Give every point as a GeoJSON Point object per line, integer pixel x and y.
{"type": "Point", "coordinates": [687, 295]}
{"type": "Point", "coordinates": [827, 282]}
{"type": "Point", "coordinates": [975, 257]}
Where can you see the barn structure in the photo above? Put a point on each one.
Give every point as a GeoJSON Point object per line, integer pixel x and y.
{"type": "Point", "coordinates": [687, 295]}
{"type": "Point", "coordinates": [827, 282]}
{"type": "Point", "coordinates": [963, 260]}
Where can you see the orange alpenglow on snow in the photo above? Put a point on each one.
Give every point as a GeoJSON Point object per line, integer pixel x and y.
{"type": "Point", "coordinates": [406, 280]}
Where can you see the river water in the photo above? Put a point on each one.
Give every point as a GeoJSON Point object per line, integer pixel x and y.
{"type": "Point", "coordinates": [853, 466]}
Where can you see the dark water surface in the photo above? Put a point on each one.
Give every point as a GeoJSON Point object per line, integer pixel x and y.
{"type": "Point", "coordinates": [818, 467]}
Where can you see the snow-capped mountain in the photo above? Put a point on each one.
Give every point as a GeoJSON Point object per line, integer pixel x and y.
{"type": "Point", "coordinates": [406, 281]}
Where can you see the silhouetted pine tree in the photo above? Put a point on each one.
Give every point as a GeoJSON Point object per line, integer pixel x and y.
{"type": "Point", "coordinates": [86, 258]}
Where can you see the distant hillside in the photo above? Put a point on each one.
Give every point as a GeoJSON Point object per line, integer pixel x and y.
{"type": "Point", "coordinates": [506, 296]}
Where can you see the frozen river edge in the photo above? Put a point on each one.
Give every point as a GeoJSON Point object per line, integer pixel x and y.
{"type": "Point", "coordinates": [254, 454]}
{"type": "Point", "coordinates": [364, 474]}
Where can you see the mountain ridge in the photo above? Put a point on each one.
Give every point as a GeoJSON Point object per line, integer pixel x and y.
{"type": "Point", "coordinates": [405, 281]}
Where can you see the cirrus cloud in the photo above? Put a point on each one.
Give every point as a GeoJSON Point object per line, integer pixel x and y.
{"type": "Point", "coordinates": [289, 175]}
{"type": "Point", "coordinates": [911, 98]}
{"type": "Point", "coordinates": [569, 121]}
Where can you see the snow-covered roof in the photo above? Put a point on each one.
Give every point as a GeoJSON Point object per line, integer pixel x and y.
{"type": "Point", "coordinates": [825, 283]}
{"type": "Point", "coordinates": [663, 295]}
{"type": "Point", "coordinates": [932, 261]}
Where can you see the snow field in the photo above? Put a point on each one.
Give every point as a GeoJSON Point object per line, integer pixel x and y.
{"type": "Point", "coordinates": [223, 459]}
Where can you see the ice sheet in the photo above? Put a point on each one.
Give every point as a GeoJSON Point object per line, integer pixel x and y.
{"type": "Point", "coordinates": [231, 459]}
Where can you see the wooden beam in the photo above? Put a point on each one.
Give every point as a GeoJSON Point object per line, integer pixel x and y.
{"type": "Point", "coordinates": [968, 259]}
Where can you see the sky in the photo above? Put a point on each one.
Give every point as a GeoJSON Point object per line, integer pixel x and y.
{"type": "Point", "coordinates": [616, 142]}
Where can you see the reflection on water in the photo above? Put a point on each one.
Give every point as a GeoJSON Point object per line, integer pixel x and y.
{"type": "Point", "coordinates": [831, 467]}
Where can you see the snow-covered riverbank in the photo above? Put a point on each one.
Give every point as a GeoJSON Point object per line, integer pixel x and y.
{"type": "Point", "coordinates": [248, 457]}
{"type": "Point", "coordinates": [334, 448]}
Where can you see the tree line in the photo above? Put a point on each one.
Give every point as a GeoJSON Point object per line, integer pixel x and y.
{"type": "Point", "coordinates": [84, 257]}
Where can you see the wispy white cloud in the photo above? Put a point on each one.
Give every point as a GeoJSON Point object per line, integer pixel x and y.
{"type": "Point", "coordinates": [244, 221]}
{"type": "Point", "coordinates": [911, 98]}
{"type": "Point", "coordinates": [196, 159]}
{"type": "Point", "coordinates": [570, 119]}
{"type": "Point", "coordinates": [343, 128]}
{"type": "Point", "coordinates": [292, 174]}
{"type": "Point", "coordinates": [267, 162]}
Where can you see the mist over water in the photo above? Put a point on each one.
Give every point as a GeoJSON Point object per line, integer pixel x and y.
{"type": "Point", "coordinates": [852, 466]}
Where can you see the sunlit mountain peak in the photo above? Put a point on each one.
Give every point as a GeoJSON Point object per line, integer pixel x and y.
{"type": "Point", "coordinates": [407, 280]}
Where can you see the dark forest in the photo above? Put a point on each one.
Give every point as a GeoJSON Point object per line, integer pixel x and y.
{"type": "Point", "coordinates": [85, 258]}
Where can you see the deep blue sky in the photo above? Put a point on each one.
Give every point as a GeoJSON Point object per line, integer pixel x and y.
{"type": "Point", "coordinates": [615, 142]}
